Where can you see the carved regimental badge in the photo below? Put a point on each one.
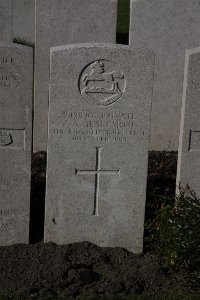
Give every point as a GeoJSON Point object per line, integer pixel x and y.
{"type": "Point", "coordinates": [5, 138]}
{"type": "Point", "coordinates": [102, 83]}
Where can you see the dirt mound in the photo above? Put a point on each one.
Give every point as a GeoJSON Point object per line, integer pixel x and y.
{"type": "Point", "coordinates": [82, 268]}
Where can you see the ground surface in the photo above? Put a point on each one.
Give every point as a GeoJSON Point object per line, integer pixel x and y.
{"type": "Point", "coordinates": [42, 270]}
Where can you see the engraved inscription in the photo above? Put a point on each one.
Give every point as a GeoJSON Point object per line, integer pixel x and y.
{"type": "Point", "coordinates": [97, 173]}
{"type": "Point", "coordinates": [5, 138]}
{"type": "Point", "coordinates": [102, 127]}
{"type": "Point", "coordinates": [9, 212]}
{"type": "Point", "coordinates": [102, 83]}
{"type": "Point", "coordinates": [8, 76]}
{"type": "Point", "coordinates": [194, 140]}
{"type": "Point", "coordinates": [7, 60]}
{"type": "Point", "coordinates": [9, 79]}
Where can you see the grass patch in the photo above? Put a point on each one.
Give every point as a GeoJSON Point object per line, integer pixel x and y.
{"type": "Point", "coordinates": [123, 16]}
{"type": "Point", "coordinates": [175, 231]}
{"type": "Point", "coordinates": [123, 20]}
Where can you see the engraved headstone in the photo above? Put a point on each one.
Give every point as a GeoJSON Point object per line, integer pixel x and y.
{"type": "Point", "coordinates": [169, 28]}
{"type": "Point", "coordinates": [24, 20]}
{"type": "Point", "coordinates": [100, 101]}
{"type": "Point", "coordinates": [16, 80]}
{"type": "Point", "coordinates": [61, 22]}
{"type": "Point", "coordinates": [188, 171]}
{"type": "Point", "coordinates": [6, 31]}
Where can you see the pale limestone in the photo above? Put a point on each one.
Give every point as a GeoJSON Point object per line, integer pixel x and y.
{"type": "Point", "coordinates": [188, 172]}
{"type": "Point", "coordinates": [168, 27]}
{"type": "Point", "coordinates": [60, 23]}
{"type": "Point", "coordinates": [6, 21]}
{"type": "Point", "coordinates": [24, 20]}
{"type": "Point", "coordinates": [16, 65]}
{"type": "Point", "coordinates": [100, 102]}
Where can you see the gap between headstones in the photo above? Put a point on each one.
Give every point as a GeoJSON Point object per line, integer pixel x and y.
{"type": "Point", "coordinates": [123, 22]}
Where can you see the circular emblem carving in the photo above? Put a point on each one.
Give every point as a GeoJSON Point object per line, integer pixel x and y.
{"type": "Point", "coordinates": [102, 83]}
{"type": "Point", "coordinates": [5, 138]}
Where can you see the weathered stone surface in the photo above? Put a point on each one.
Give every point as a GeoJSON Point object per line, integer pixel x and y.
{"type": "Point", "coordinates": [6, 32]}
{"type": "Point", "coordinates": [100, 101]}
{"type": "Point", "coordinates": [60, 23]}
{"type": "Point", "coordinates": [16, 65]}
{"type": "Point", "coordinates": [188, 171]}
{"type": "Point", "coordinates": [24, 20]}
{"type": "Point", "coordinates": [168, 27]}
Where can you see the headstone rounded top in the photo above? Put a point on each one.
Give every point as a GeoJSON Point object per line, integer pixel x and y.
{"type": "Point", "coordinates": [16, 46]}
{"type": "Point", "coordinates": [101, 46]}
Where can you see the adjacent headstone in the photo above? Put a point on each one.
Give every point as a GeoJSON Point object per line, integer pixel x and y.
{"type": "Point", "coordinates": [24, 20]}
{"type": "Point", "coordinates": [188, 172]}
{"type": "Point", "coordinates": [168, 27]}
{"type": "Point", "coordinates": [61, 22]}
{"type": "Point", "coordinates": [100, 101]}
{"type": "Point", "coordinates": [16, 81]}
{"type": "Point", "coordinates": [6, 23]}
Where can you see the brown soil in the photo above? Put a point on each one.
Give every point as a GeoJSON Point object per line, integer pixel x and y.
{"type": "Point", "coordinates": [42, 270]}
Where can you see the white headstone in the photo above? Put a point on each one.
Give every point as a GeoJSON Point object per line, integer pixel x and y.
{"type": "Point", "coordinates": [16, 81]}
{"type": "Point", "coordinates": [168, 27]}
{"type": "Point", "coordinates": [188, 171]}
{"type": "Point", "coordinates": [100, 102]}
{"type": "Point", "coordinates": [60, 23]}
{"type": "Point", "coordinates": [24, 20]}
{"type": "Point", "coordinates": [6, 21]}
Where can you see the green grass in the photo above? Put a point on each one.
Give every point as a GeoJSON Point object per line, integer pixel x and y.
{"type": "Point", "coordinates": [123, 16]}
